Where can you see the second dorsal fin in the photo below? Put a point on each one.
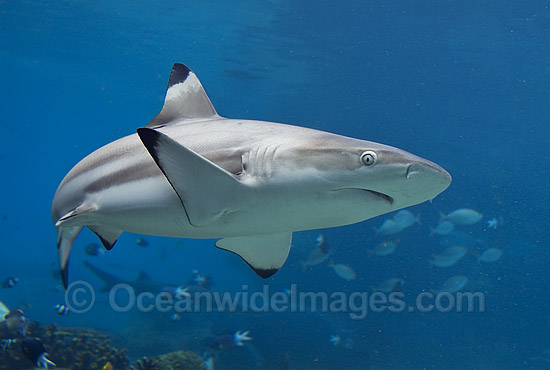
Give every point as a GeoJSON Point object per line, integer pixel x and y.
{"type": "Point", "coordinates": [185, 99]}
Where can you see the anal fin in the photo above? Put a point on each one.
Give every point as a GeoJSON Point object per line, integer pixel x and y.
{"type": "Point", "coordinates": [265, 254]}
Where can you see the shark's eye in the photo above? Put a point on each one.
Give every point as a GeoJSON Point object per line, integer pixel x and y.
{"type": "Point", "coordinates": [368, 157]}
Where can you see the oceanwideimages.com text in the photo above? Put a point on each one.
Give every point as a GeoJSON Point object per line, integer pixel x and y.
{"type": "Point", "coordinates": [80, 298]}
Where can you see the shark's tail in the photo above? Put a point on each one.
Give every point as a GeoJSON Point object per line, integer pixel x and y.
{"type": "Point", "coordinates": [65, 239]}
{"type": "Point", "coordinates": [68, 228]}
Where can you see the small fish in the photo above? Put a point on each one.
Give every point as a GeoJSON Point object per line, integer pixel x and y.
{"type": "Point", "coordinates": [390, 285]}
{"type": "Point", "coordinates": [389, 227]}
{"type": "Point", "coordinates": [453, 284]}
{"type": "Point", "coordinates": [449, 256]}
{"type": "Point", "coordinates": [335, 340]}
{"type": "Point", "coordinates": [199, 279]}
{"type": "Point", "coordinates": [13, 322]}
{"type": "Point", "coordinates": [384, 248]}
{"type": "Point", "coordinates": [494, 223]}
{"type": "Point", "coordinates": [181, 292]}
{"type": "Point", "coordinates": [443, 228]}
{"type": "Point", "coordinates": [142, 242]}
{"type": "Point", "coordinates": [62, 309]}
{"type": "Point", "coordinates": [319, 240]}
{"type": "Point", "coordinates": [406, 218]}
{"type": "Point", "coordinates": [175, 317]}
{"type": "Point", "coordinates": [4, 310]}
{"type": "Point", "coordinates": [94, 249]}
{"type": "Point", "coordinates": [316, 257]}
{"type": "Point", "coordinates": [490, 255]}
{"type": "Point", "coordinates": [463, 216]}
{"type": "Point", "coordinates": [10, 282]}
{"type": "Point", "coordinates": [108, 366]}
{"type": "Point", "coordinates": [6, 343]}
{"type": "Point", "coordinates": [34, 351]}
{"type": "Point", "coordinates": [228, 341]}
{"type": "Point", "coordinates": [209, 363]}
{"type": "Point", "coordinates": [343, 271]}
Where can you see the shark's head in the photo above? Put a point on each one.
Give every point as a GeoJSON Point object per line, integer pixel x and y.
{"type": "Point", "coordinates": [377, 178]}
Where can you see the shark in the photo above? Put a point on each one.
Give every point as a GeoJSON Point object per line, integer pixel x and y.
{"type": "Point", "coordinates": [191, 173]}
{"type": "Point", "coordinates": [142, 283]}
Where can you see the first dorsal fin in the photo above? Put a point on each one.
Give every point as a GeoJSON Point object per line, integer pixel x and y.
{"type": "Point", "coordinates": [185, 99]}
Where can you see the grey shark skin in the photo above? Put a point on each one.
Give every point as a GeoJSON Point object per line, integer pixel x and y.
{"type": "Point", "coordinates": [193, 174]}
{"type": "Point", "coordinates": [142, 283]}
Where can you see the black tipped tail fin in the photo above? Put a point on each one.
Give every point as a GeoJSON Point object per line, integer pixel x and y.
{"type": "Point", "coordinates": [65, 239]}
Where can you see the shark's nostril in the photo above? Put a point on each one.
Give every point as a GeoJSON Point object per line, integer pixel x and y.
{"type": "Point", "coordinates": [412, 169]}
{"type": "Point", "coordinates": [408, 173]}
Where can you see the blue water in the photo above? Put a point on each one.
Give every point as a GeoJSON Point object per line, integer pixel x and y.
{"type": "Point", "coordinates": [462, 83]}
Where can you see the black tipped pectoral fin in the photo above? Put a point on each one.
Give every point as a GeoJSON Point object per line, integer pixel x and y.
{"type": "Point", "coordinates": [265, 254]}
{"type": "Point", "coordinates": [206, 190]}
{"type": "Point", "coordinates": [107, 235]}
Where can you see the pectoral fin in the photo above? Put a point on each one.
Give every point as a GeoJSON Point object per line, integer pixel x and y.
{"type": "Point", "coordinates": [206, 190]}
{"type": "Point", "coordinates": [264, 253]}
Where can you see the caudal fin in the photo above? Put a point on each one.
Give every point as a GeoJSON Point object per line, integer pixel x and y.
{"type": "Point", "coordinates": [66, 236]}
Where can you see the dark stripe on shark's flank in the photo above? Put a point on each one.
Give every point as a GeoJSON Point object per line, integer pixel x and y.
{"type": "Point", "coordinates": [100, 160]}
{"type": "Point", "coordinates": [179, 73]}
{"type": "Point", "coordinates": [137, 172]}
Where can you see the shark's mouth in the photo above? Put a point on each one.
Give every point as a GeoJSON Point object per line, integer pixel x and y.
{"type": "Point", "coordinates": [383, 196]}
{"type": "Point", "coordinates": [386, 197]}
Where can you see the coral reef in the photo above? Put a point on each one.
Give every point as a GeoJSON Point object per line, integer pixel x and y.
{"type": "Point", "coordinates": [88, 349]}
{"type": "Point", "coordinates": [68, 348]}
{"type": "Point", "coordinates": [145, 364]}
{"type": "Point", "coordinates": [179, 360]}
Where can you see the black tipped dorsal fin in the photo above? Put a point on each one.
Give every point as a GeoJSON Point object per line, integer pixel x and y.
{"type": "Point", "coordinates": [185, 99]}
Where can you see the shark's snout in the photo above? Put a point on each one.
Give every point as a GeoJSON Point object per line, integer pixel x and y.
{"type": "Point", "coordinates": [428, 177]}
{"type": "Point", "coordinates": [430, 169]}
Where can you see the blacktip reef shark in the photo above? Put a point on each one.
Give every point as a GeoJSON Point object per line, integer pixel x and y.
{"type": "Point", "coordinates": [142, 283]}
{"type": "Point", "coordinates": [191, 173]}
